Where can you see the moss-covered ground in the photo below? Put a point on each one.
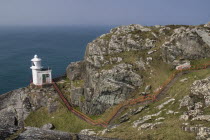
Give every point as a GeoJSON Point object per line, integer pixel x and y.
{"type": "Point", "coordinates": [171, 127]}
{"type": "Point", "coordinates": [155, 74]}
{"type": "Point", "coordinates": [62, 119]}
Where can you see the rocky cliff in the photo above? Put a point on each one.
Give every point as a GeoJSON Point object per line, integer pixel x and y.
{"type": "Point", "coordinates": [118, 64]}
{"type": "Point", "coordinates": [129, 61]}
{"type": "Point", "coordinates": [17, 105]}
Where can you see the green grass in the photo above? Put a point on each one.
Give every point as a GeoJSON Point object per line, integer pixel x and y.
{"type": "Point", "coordinates": [201, 61]}
{"type": "Point", "coordinates": [206, 110]}
{"type": "Point", "coordinates": [63, 86]}
{"type": "Point", "coordinates": [172, 26]}
{"type": "Point", "coordinates": [62, 119]}
{"type": "Point", "coordinates": [128, 57]}
{"type": "Point", "coordinates": [107, 36]}
{"type": "Point", "coordinates": [168, 131]}
{"type": "Point", "coordinates": [171, 128]}
{"type": "Point", "coordinates": [78, 83]}
{"type": "Point", "coordinates": [82, 98]}
{"type": "Point", "coordinates": [143, 35]}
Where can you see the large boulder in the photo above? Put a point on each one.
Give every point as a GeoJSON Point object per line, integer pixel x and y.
{"type": "Point", "coordinates": [186, 43]}
{"type": "Point", "coordinates": [109, 87]}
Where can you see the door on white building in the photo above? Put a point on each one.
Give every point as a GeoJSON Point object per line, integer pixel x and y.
{"type": "Point", "coordinates": [45, 78]}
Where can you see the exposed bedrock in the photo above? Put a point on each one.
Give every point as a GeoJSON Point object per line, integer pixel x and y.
{"type": "Point", "coordinates": [115, 63]}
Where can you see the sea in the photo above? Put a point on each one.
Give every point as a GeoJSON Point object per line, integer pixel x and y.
{"type": "Point", "coordinates": [57, 46]}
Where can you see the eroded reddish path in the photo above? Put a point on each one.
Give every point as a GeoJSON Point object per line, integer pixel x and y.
{"type": "Point", "coordinates": [140, 100]}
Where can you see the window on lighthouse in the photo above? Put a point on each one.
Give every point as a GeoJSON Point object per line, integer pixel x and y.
{"type": "Point", "coordinates": [33, 64]}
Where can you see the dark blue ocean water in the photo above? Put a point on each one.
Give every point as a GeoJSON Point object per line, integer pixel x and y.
{"type": "Point", "coordinates": [57, 46]}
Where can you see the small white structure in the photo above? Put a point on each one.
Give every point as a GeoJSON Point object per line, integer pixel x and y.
{"type": "Point", "coordinates": [183, 66]}
{"type": "Point", "coordinates": [40, 75]}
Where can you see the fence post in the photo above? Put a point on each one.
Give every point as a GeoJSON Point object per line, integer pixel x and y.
{"type": "Point", "coordinates": [154, 98]}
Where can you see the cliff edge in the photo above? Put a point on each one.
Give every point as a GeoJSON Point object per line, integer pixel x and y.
{"type": "Point", "coordinates": [128, 62]}
{"type": "Point", "coordinates": [122, 63]}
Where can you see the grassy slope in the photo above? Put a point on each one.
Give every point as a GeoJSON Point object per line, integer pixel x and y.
{"type": "Point", "coordinates": [160, 73]}
{"type": "Point", "coordinates": [62, 119]}
{"type": "Point", "coordinates": [66, 121]}
{"type": "Point", "coordinates": [171, 128]}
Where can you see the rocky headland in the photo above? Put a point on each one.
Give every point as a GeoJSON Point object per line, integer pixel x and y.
{"type": "Point", "coordinates": [118, 63]}
{"type": "Point", "coordinates": [128, 62]}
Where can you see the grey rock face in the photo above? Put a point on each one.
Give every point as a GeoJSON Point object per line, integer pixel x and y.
{"type": "Point", "coordinates": [147, 88]}
{"type": "Point", "coordinates": [165, 103]}
{"type": "Point", "coordinates": [88, 132]}
{"type": "Point", "coordinates": [186, 101]}
{"type": "Point", "coordinates": [202, 118]}
{"type": "Point", "coordinates": [138, 110]}
{"type": "Point", "coordinates": [195, 103]}
{"type": "Point", "coordinates": [149, 125]}
{"type": "Point", "coordinates": [75, 70]}
{"type": "Point", "coordinates": [108, 87]}
{"type": "Point", "coordinates": [202, 133]}
{"type": "Point", "coordinates": [200, 89]}
{"type": "Point", "coordinates": [76, 96]}
{"type": "Point", "coordinates": [8, 117]}
{"type": "Point", "coordinates": [8, 122]}
{"type": "Point", "coordinates": [120, 39]}
{"type": "Point", "coordinates": [15, 106]}
{"type": "Point", "coordinates": [32, 133]}
{"type": "Point", "coordinates": [144, 119]}
{"type": "Point", "coordinates": [186, 43]}
{"type": "Point", "coordinates": [124, 118]}
{"type": "Point", "coordinates": [6, 132]}
{"type": "Point", "coordinates": [110, 79]}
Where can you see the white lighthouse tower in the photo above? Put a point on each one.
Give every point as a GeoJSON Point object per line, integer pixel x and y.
{"type": "Point", "coordinates": [40, 75]}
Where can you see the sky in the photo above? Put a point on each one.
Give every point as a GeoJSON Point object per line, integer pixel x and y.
{"type": "Point", "coordinates": [103, 12]}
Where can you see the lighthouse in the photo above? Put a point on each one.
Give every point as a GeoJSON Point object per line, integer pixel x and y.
{"type": "Point", "coordinates": [40, 75]}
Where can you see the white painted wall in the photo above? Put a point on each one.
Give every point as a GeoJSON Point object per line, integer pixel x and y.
{"type": "Point", "coordinates": [35, 77]}
{"type": "Point", "coordinates": [37, 72]}
{"type": "Point", "coordinates": [183, 66]}
{"type": "Point", "coordinates": [40, 77]}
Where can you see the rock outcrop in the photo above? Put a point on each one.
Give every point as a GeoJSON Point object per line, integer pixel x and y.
{"type": "Point", "coordinates": [118, 66]}
{"type": "Point", "coordinates": [16, 105]}
{"type": "Point", "coordinates": [114, 63]}
{"type": "Point", "coordinates": [198, 100]}
{"type": "Point", "coordinates": [188, 43]}
{"type": "Point", "coordinates": [196, 104]}
{"type": "Point", "coordinates": [32, 133]}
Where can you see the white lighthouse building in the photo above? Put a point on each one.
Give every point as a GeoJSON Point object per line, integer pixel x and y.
{"type": "Point", "coordinates": [40, 75]}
